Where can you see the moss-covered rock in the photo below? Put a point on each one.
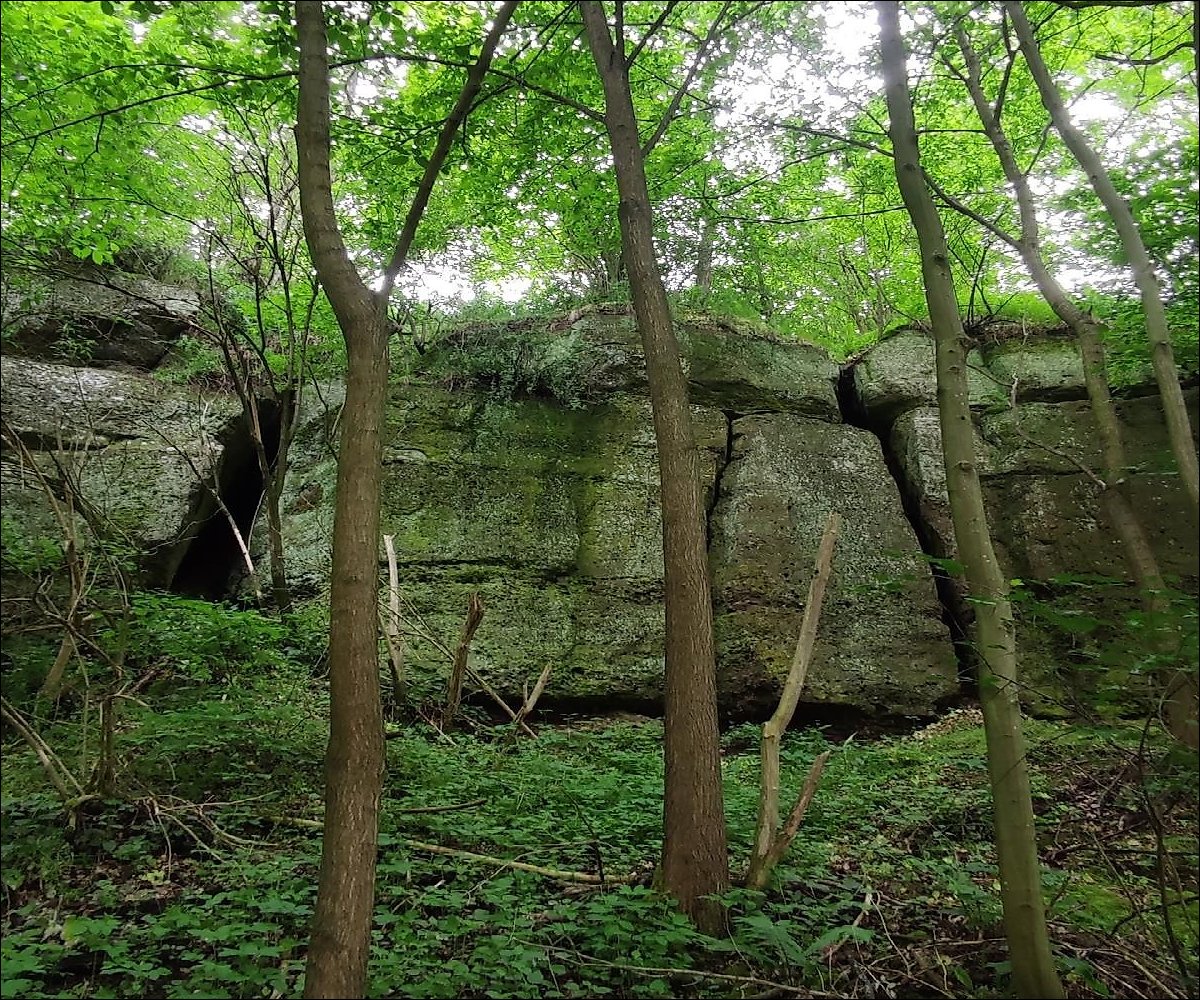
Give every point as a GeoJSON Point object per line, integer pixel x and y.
{"type": "Point", "coordinates": [1053, 533]}
{"type": "Point", "coordinates": [593, 354]}
{"type": "Point", "coordinates": [898, 374]}
{"type": "Point", "coordinates": [1038, 367]}
{"type": "Point", "coordinates": [883, 647]}
{"type": "Point", "coordinates": [97, 316]}
{"type": "Point", "coordinates": [551, 513]}
{"type": "Point", "coordinates": [137, 449]}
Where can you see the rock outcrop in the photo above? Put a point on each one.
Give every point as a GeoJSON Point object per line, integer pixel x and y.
{"type": "Point", "coordinates": [97, 316]}
{"type": "Point", "coordinates": [138, 452]}
{"type": "Point", "coordinates": [550, 511]}
{"type": "Point", "coordinates": [520, 464]}
{"type": "Point", "coordinates": [1036, 442]}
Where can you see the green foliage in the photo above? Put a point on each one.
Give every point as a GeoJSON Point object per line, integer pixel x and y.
{"type": "Point", "coordinates": [1127, 350]}
{"type": "Point", "coordinates": [197, 640]}
{"type": "Point", "coordinates": [150, 901]}
{"type": "Point", "coordinates": [192, 361]}
{"type": "Point", "coordinates": [25, 554]}
{"type": "Point", "coordinates": [517, 360]}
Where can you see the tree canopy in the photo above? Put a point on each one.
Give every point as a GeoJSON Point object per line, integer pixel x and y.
{"type": "Point", "coordinates": [127, 125]}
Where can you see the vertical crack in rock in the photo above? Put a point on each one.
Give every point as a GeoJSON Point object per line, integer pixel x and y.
{"type": "Point", "coordinates": [723, 462]}
{"type": "Point", "coordinates": [856, 415]}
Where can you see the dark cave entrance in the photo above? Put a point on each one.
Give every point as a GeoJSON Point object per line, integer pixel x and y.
{"type": "Point", "coordinates": [213, 561]}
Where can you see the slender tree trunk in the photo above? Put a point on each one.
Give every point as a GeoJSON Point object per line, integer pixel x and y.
{"type": "Point", "coordinates": [704, 257]}
{"type": "Point", "coordinates": [1162, 354]}
{"type": "Point", "coordinates": [280, 590]}
{"type": "Point", "coordinates": [354, 763]}
{"type": "Point", "coordinates": [1034, 974]}
{"type": "Point", "coordinates": [1139, 556]}
{"type": "Point", "coordinates": [695, 863]}
{"type": "Point", "coordinates": [341, 935]}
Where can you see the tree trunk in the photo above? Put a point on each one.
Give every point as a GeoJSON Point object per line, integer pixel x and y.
{"type": "Point", "coordinates": [341, 935]}
{"type": "Point", "coordinates": [280, 590]}
{"type": "Point", "coordinates": [354, 764]}
{"type": "Point", "coordinates": [695, 863]}
{"type": "Point", "coordinates": [704, 256]}
{"type": "Point", "coordinates": [1034, 974]}
{"type": "Point", "coordinates": [1162, 355]}
{"type": "Point", "coordinates": [1139, 556]}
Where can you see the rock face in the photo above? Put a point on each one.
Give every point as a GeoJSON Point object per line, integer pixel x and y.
{"type": "Point", "coordinates": [520, 464]}
{"type": "Point", "coordinates": [99, 317]}
{"type": "Point", "coordinates": [135, 448]}
{"type": "Point", "coordinates": [1048, 523]}
{"type": "Point", "coordinates": [551, 512]}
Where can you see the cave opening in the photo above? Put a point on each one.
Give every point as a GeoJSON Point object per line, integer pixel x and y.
{"type": "Point", "coordinates": [213, 561]}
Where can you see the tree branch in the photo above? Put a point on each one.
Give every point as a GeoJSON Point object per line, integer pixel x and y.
{"type": "Point", "coordinates": [445, 140]}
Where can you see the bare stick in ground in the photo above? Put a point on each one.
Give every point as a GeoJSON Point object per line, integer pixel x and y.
{"type": "Point", "coordinates": [391, 624]}
{"type": "Point", "coordinates": [532, 698]}
{"type": "Point", "coordinates": [458, 670]}
{"type": "Point", "coordinates": [771, 842]}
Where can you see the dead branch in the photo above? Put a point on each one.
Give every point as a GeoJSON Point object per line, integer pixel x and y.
{"type": "Point", "coordinates": [411, 618]}
{"type": "Point", "coordinates": [585, 878]}
{"type": "Point", "coordinates": [770, 842]}
{"type": "Point", "coordinates": [458, 670]}
{"type": "Point", "coordinates": [56, 771]}
{"type": "Point", "coordinates": [833, 949]}
{"type": "Point", "coordinates": [654, 970]}
{"type": "Point", "coordinates": [391, 629]}
{"type": "Point", "coordinates": [553, 873]}
{"type": "Point", "coordinates": [532, 698]}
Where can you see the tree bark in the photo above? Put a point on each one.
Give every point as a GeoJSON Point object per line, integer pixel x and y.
{"type": "Point", "coordinates": [704, 256]}
{"type": "Point", "coordinates": [354, 763]}
{"type": "Point", "coordinates": [1139, 556]}
{"type": "Point", "coordinates": [695, 863]}
{"type": "Point", "coordinates": [1034, 974]}
{"type": "Point", "coordinates": [341, 935]}
{"type": "Point", "coordinates": [1162, 355]}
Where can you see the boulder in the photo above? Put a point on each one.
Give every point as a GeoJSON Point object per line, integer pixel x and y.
{"type": "Point", "coordinates": [136, 448]}
{"type": "Point", "coordinates": [882, 646]}
{"type": "Point", "coordinates": [98, 317]}
{"type": "Point", "coordinates": [898, 374]}
{"type": "Point", "coordinates": [1039, 367]}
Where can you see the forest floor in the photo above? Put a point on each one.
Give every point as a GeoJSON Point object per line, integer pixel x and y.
{"type": "Point", "coordinates": [199, 880]}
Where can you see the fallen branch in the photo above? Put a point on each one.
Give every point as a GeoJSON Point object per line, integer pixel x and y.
{"type": "Point", "coordinates": [562, 876]}
{"type": "Point", "coordinates": [655, 970]}
{"type": "Point", "coordinates": [494, 695]}
{"type": "Point", "coordinates": [585, 878]}
{"type": "Point", "coordinates": [833, 949]}
{"type": "Point", "coordinates": [441, 809]}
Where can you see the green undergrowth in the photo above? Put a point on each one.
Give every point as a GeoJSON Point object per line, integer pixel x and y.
{"type": "Point", "coordinates": [198, 882]}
